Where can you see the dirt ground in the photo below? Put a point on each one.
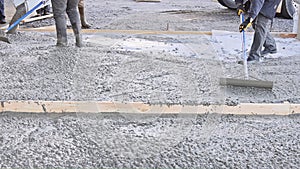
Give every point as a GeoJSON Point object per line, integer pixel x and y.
{"type": "Point", "coordinates": [152, 68]}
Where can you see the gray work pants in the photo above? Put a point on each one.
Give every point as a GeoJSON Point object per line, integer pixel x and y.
{"type": "Point", "coordinates": [2, 15]}
{"type": "Point", "coordinates": [262, 36]}
{"type": "Point", "coordinates": [60, 7]}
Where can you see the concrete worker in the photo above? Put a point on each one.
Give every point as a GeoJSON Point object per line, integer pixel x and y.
{"type": "Point", "coordinates": [84, 23]}
{"type": "Point", "coordinates": [60, 7]}
{"type": "Point", "coordinates": [261, 14]}
{"type": "Point", "coordinates": [2, 14]}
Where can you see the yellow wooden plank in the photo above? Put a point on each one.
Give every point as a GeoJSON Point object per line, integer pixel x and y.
{"type": "Point", "coordinates": [87, 31]}
{"type": "Point", "coordinates": [143, 108]}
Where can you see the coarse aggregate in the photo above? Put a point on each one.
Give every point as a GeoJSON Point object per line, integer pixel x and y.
{"type": "Point", "coordinates": [148, 68]}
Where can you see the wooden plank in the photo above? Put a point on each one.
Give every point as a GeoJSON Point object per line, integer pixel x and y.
{"type": "Point", "coordinates": [52, 29]}
{"type": "Point", "coordinates": [288, 35]}
{"type": "Point", "coordinates": [37, 18]}
{"type": "Point", "coordinates": [143, 108]}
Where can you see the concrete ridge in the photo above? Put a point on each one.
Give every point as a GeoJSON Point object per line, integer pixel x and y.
{"type": "Point", "coordinates": [32, 106]}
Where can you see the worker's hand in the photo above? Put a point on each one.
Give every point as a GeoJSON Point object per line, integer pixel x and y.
{"type": "Point", "coordinates": [240, 9]}
{"type": "Point", "coordinates": [246, 24]}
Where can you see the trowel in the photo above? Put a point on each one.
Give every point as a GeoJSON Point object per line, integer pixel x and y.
{"type": "Point", "coordinates": [17, 18]}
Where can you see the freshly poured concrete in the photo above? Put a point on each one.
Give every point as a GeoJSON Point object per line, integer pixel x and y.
{"type": "Point", "coordinates": [148, 141]}
{"type": "Point", "coordinates": [158, 69]}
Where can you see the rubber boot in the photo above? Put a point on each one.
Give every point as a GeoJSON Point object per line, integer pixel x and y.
{"type": "Point", "coordinates": [59, 8]}
{"type": "Point", "coordinates": [78, 40]}
{"type": "Point", "coordinates": [84, 23]}
{"type": "Point", "coordinates": [75, 22]}
{"type": "Point", "coordinates": [61, 31]}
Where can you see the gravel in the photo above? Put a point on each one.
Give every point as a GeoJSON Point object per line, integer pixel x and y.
{"type": "Point", "coordinates": [148, 141]}
{"type": "Point", "coordinates": [149, 68]}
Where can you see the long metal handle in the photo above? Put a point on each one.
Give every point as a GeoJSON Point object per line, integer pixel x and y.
{"type": "Point", "coordinates": [244, 49]}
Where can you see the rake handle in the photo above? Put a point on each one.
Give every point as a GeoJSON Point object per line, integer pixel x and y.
{"type": "Point", "coordinates": [244, 49]}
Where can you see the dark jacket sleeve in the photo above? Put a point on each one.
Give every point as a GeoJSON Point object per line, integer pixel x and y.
{"type": "Point", "coordinates": [255, 7]}
{"type": "Point", "coordinates": [239, 2]}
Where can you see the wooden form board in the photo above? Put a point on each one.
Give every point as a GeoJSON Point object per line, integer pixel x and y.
{"type": "Point", "coordinates": [52, 29]}
{"type": "Point", "coordinates": [143, 108]}
{"type": "Point", "coordinates": [37, 18]}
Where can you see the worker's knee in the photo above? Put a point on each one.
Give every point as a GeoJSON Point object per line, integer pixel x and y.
{"type": "Point", "coordinates": [58, 15]}
{"type": "Point", "coordinates": [72, 12]}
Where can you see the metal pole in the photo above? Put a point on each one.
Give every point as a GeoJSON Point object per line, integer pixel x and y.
{"type": "Point", "coordinates": [244, 49]}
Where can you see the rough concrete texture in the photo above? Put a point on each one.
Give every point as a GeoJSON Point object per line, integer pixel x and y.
{"type": "Point", "coordinates": [188, 15]}
{"type": "Point", "coordinates": [172, 69]}
{"type": "Point", "coordinates": [148, 141]}
{"type": "Point", "coordinates": [168, 69]}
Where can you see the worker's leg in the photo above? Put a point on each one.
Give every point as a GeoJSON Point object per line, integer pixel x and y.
{"type": "Point", "coordinates": [59, 10]}
{"type": "Point", "coordinates": [72, 11]}
{"type": "Point", "coordinates": [84, 23]}
{"type": "Point", "coordinates": [2, 14]}
{"type": "Point", "coordinates": [270, 45]}
{"type": "Point", "coordinates": [262, 27]}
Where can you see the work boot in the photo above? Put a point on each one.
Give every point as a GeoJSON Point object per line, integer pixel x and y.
{"type": "Point", "coordinates": [61, 31]}
{"type": "Point", "coordinates": [62, 42]}
{"type": "Point", "coordinates": [267, 51]}
{"type": "Point", "coordinates": [252, 59]}
{"type": "Point", "coordinates": [2, 21]}
{"type": "Point", "coordinates": [84, 23]}
{"type": "Point", "coordinates": [75, 22]}
{"type": "Point", "coordinates": [78, 39]}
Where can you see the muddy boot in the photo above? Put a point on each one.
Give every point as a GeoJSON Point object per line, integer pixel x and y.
{"type": "Point", "coordinates": [73, 15]}
{"type": "Point", "coordinates": [61, 30]}
{"type": "Point", "coordinates": [20, 11]}
{"type": "Point", "coordinates": [84, 23]}
{"type": "Point", "coordinates": [78, 40]}
{"type": "Point", "coordinates": [59, 7]}
{"type": "Point", "coordinates": [61, 41]}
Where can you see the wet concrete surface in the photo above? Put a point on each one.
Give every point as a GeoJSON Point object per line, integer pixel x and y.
{"type": "Point", "coordinates": [156, 69]}
{"type": "Point", "coordinates": [148, 141]}
{"type": "Point", "coordinates": [149, 68]}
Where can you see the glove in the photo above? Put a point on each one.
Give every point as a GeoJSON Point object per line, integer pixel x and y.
{"type": "Point", "coordinates": [240, 9]}
{"type": "Point", "coordinates": [246, 24]}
